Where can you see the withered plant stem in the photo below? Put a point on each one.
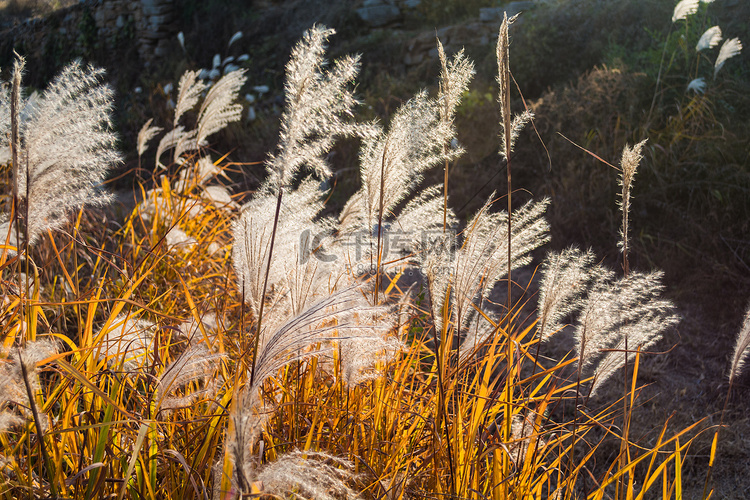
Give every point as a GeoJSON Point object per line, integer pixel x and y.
{"type": "Point", "coordinates": [380, 224]}
{"type": "Point", "coordinates": [38, 424]}
{"type": "Point", "coordinates": [265, 284]}
{"type": "Point", "coordinates": [504, 81]}
{"type": "Point", "coordinates": [440, 418]}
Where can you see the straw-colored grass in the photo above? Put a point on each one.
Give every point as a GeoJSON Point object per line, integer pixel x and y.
{"type": "Point", "coordinates": [195, 349]}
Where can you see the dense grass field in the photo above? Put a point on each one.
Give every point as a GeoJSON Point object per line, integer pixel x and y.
{"type": "Point", "coordinates": [376, 339]}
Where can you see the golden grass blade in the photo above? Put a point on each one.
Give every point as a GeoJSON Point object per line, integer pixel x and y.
{"type": "Point", "coordinates": [678, 470]}
{"type": "Point", "coordinates": [133, 458]}
{"type": "Point", "coordinates": [80, 377]}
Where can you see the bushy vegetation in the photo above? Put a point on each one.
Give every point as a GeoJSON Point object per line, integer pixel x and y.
{"type": "Point", "coordinates": [226, 345]}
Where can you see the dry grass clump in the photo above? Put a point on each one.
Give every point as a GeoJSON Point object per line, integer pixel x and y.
{"type": "Point", "coordinates": [205, 348]}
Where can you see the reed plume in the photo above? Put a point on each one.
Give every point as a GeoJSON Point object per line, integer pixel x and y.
{"type": "Point", "coordinates": [145, 135]}
{"type": "Point", "coordinates": [565, 280]}
{"type": "Point", "coordinates": [14, 398]}
{"type": "Point", "coordinates": [481, 260]}
{"type": "Point", "coordinates": [729, 49]}
{"type": "Point", "coordinates": [740, 349]}
{"type": "Point", "coordinates": [252, 247]}
{"type": "Point", "coordinates": [63, 148]}
{"type": "Point", "coordinates": [631, 157]}
{"type": "Point", "coordinates": [345, 315]}
{"type": "Point", "coordinates": [454, 81]}
{"type": "Point", "coordinates": [317, 103]}
{"type": "Point", "coordinates": [620, 315]}
{"type": "Point", "coordinates": [308, 474]}
{"type": "Point", "coordinates": [198, 362]}
{"type": "Point", "coordinates": [709, 39]}
{"type": "Point", "coordinates": [217, 110]}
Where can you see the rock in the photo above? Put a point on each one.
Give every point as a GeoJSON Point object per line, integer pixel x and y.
{"type": "Point", "coordinates": [378, 13]}
{"type": "Point", "coordinates": [423, 46]}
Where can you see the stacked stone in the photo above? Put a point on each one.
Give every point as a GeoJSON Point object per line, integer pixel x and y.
{"type": "Point", "coordinates": [156, 27]}
{"type": "Point", "coordinates": [152, 22]}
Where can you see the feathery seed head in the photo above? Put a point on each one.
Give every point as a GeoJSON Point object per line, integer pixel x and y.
{"type": "Point", "coordinates": [697, 85]}
{"type": "Point", "coordinates": [65, 148]}
{"type": "Point", "coordinates": [619, 311]}
{"type": "Point", "coordinates": [454, 81]}
{"type": "Point", "coordinates": [393, 163]}
{"type": "Point", "coordinates": [308, 474]}
{"type": "Point", "coordinates": [177, 239]}
{"type": "Point", "coordinates": [12, 384]}
{"type": "Point", "coordinates": [503, 81]}
{"type": "Point", "coordinates": [729, 49]}
{"type": "Point", "coordinates": [146, 133]}
{"type": "Point", "coordinates": [510, 126]}
{"type": "Point", "coordinates": [317, 101]}
{"type": "Point", "coordinates": [741, 348]}
{"type": "Point", "coordinates": [188, 94]}
{"type": "Point", "coordinates": [481, 260]}
{"type": "Point", "coordinates": [631, 157]}
{"type": "Point", "coordinates": [710, 39]}
{"type": "Point", "coordinates": [565, 279]}
{"type": "Point", "coordinates": [252, 236]}
{"type": "Point", "coordinates": [684, 9]}
{"type": "Point", "coordinates": [197, 362]}
{"type": "Point", "coordinates": [344, 315]}
{"type": "Point", "coordinates": [219, 108]}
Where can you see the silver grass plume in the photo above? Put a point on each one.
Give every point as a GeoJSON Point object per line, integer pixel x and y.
{"type": "Point", "coordinates": [392, 164]}
{"type": "Point", "coordinates": [729, 49]}
{"type": "Point", "coordinates": [218, 108]}
{"type": "Point", "coordinates": [13, 393]}
{"type": "Point", "coordinates": [437, 261]}
{"type": "Point", "coordinates": [219, 196]}
{"type": "Point", "coordinates": [618, 310]}
{"type": "Point", "coordinates": [631, 157]}
{"type": "Point", "coordinates": [252, 234]}
{"type": "Point", "coordinates": [65, 148]}
{"type": "Point", "coordinates": [482, 259]}
{"type": "Point", "coordinates": [196, 362]}
{"type": "Point", "coordinates": [189, 93]}
{"type": "Point", "coordinates": [473, 269]}
{"type": "Point", "coordinates": [146, 133]}
{"type": "Point", "coordinates": [343, 315]}
{"type": "Point", "coordinates": [126, 342]}
{"type": "Point", "coordinates": [565, 279]}
{"type": "Point", "coordinates": [683, 9]}
{"type": "Point", "coordinates": [172, 139]}
{"type": "Point", "coordinates": [510, 126]}
{"type": "Point", "coordinates": [709, 39]}
{"type": "Point", "coordinates": [740, 349]}
{"type": "Point", "coordinates": [216, 112]}
{"type": "Point", "coordinates": [420, 218]}
{"type": "Point", "coordinates": [15, 105]}
{"type": "Point", "coordinates": [316, 103]}
{"type": "Point", "coordinates": [308, 474]}
{"type": "Point", "coordinates": [364, 353]}
{"type": "Point", "coordinates": [455, 76]}
{"type": "Point", "coordinates": [416, 228]}
{"type": "Point", "coordinates": [454, 81]}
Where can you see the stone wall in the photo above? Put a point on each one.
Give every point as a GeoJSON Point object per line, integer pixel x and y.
{"type": "Point", "coordinates": [95, 25]}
